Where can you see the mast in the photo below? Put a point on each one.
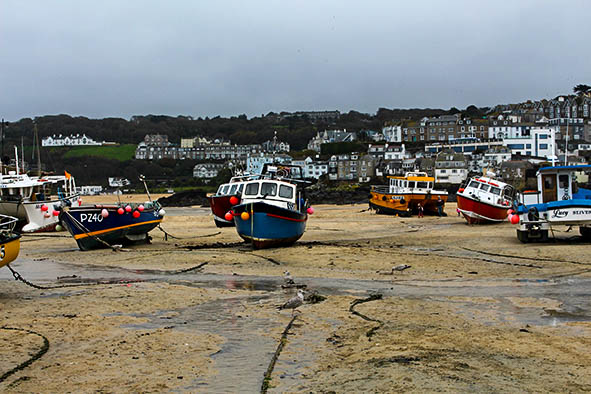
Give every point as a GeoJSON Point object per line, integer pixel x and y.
{"type": "Point", "coordinates": [2, 136]}
{"type": "Point", "coordinates": [22, 154]}
{"type": "Point", "coordinates": [16, 158]}
{"type": "Point", "coordinates": [566, 144]}
{"type": "Point", "coordinates": [36, 142]}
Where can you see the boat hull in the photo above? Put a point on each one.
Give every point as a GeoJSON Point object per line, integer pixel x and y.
{"type": "Point", "coordinates": [389, 204]}
{"type": "Point", "coordinates": [91, 230]}
{"type": "Point", "coordinates": [269, 226]}
{"type": "Point", "coordinates": [427, 200]}
{"type": "Point", "coordinates": [9, 248]}
{"type": "Point", "coordinates": [220, 205]}
{"type": "Point", "coordinates": [479, 212]}
{"type": "Point", "coordinates": [31, 217]}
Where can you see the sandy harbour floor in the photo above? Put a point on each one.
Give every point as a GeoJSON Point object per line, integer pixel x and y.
{"type": "Point", "coordinates": [477, 310]}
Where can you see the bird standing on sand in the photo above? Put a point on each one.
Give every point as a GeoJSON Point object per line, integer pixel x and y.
{"type": "Point", "coordinates": [294, 302]}
{"type": "Point", "coordinates": [400, 267]}
{"type": "Point", "coordinates": [288, 279]}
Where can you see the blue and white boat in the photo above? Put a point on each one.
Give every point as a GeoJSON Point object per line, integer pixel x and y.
{"type": "Point", "coordinates": [558, 201]}
{"type": "Point", "coordinates": [98, 226]}
{"type": "Point", "coordinates": [272, 212]}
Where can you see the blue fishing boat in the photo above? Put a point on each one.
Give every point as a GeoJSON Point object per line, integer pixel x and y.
{"type": "Point", "coordinates": [558, 201]}
{"type": "Point", "coordinates": [273, 211]}
{"type": "Point", "coordinates": [96, 226]}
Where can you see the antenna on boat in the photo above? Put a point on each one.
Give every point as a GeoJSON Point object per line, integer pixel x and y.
{"type": "Point", "coordinates": [143, 179]}
{"type": "Point", "coordinates": [274, 145]}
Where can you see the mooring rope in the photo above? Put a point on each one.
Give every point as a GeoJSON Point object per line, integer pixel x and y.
{"type": "Point", "coordinates": [37, 355]}
{"type": "Point", "coordinates": [372, 297]}
{"type": "Point", "coordinates": [282, 341]}
{"type": "Point", "coordinates": [19, 277]}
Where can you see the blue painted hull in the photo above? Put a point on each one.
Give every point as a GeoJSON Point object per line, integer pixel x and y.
{"type": "Point", "coordinates": [91, 230]}
{"type": "Point", "coordinates": [269, 226]}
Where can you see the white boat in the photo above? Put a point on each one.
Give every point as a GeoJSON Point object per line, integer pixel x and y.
{"type": "Point", "coordinates": [36, 201]}
{"type": "Point", "coordinates": [559, 201]}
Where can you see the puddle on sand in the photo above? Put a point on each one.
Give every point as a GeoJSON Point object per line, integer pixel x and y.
{"type": "Point", "coordinates": [244, 356]}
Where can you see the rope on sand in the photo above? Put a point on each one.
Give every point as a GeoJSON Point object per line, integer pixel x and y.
{"type": "Point", "coordinates": [34, 357]}
{"type": "Point", "coordinates": [282, 341]}
{"type": "Point", "coordinates": [372, 297]}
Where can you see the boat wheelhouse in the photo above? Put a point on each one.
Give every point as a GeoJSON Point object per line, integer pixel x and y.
{"type": "Point", "coordinates": [403, 195]}
{"type": "Point", "coordinates": [227, 195]}
{"type": "Point", "coordinates": [485, 200]}
{"type": "Point", "coordinates": [559, 201]}
{"type": "Point", "coordinates": [273, 212]}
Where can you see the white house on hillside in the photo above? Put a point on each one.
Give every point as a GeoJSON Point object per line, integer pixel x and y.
{"type": "Point", "coordinates": [70, 140]}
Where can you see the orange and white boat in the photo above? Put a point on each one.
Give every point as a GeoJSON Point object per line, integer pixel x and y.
{"type": "Point", "coordinates": [404, 194]}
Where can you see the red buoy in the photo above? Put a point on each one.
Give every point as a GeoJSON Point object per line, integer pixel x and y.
{"type": "Point", "coordinates": [128, 208]}
{"type": "Point", "coordinates": [234, 200]}
{"type": "Point", "coordinates": [120, 211]}
{"type": "Point", "coordinates": [228, 216]}
{"type": "Point", "coordinates": [136, 214]}
{"type": "Point", "coordinates": [514, 219]}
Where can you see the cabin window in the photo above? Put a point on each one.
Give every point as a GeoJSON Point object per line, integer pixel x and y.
{"type": "Point", "coordinates": [422, 185]}
{"type": "Point", "coordinates": [474, 184]}
{"type": "Point", "coordinates": [286, 191]}
{"type": "Point", "coordinates": [269, 189]}
{"type": "Point", "coordinates": [484, 187]}
{"type": "Point", "coordinates": [411, 184]}
{"type": "Point", "coordinates": [496, 191]}
{"type": "Point", "coordinates": [239, 191]}
{"type": "Point", "coordinates": [563, 181]}
{"type": "Point", "coordinates": [252, 189]}
{"type": "Point", "coordinates": [233, 189]}
{"type": "Point", "coordinates": [225, 191]}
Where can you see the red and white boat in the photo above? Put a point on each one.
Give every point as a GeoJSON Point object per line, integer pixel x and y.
{"type": "Point", "coordinates": [227, 195]}
{"type": "Point", "coordinates": [485, 200]}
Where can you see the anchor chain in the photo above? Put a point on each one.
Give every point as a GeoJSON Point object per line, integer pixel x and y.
{"type": "Point", "coordinates": [19, 277]}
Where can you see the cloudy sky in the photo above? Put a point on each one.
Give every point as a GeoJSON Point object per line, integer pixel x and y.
{"type": "Point", "coordinates": [205, 58]}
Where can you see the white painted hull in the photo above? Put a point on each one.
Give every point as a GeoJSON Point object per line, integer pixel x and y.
{"type": "Point", "coordinates": [31, 214]}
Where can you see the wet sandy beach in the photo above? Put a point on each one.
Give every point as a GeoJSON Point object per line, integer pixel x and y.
{"type": "Point", "coordinates": [476, 311]}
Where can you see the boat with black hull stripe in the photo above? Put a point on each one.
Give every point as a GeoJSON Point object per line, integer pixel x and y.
{"type": "Point", "coordinates": [273, 211]}
{"type": "Point", "coordinates": [96, 226]}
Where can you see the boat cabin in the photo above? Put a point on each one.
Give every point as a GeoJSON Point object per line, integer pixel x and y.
{"type": "Point", "coordinates": [230, 189]}
{"type": "Point", "coordinates": [559, 184]}
{"type": "Point", "coordinates": [412, 181]}
{"type": "Point", "coordinates": [274, 192]}
{"type": "Point", "coordinates": [490, 190]}
{"type": "Point", "coordinates": [15, 187]}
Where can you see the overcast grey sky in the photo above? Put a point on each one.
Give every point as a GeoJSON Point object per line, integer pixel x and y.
{"type": "Point", "coordinates": [204, 58]}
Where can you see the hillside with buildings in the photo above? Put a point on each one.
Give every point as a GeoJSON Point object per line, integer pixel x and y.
{"type": "Point", "coordinates": [510, 139]}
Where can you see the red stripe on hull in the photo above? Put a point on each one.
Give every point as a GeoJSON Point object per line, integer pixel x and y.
{"type": "Point", "coordinates": [484, 213]}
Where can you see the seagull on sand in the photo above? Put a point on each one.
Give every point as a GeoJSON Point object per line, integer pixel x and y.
{"type": "Point", "coordinates": [400, 267]}
{"type": "Point", "coordinates": [294, 302]}
{"type": "Point", "coordinates": [288, 279]}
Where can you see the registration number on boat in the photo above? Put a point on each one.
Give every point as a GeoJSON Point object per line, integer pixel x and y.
{"type": "Point", "coordinates": [91, 217]}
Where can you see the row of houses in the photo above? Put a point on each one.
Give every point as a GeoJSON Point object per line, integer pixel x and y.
{"type": "Point", "coordinates": [69, 140]}
{"type": "Point", "coordinates": [157, 147]}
